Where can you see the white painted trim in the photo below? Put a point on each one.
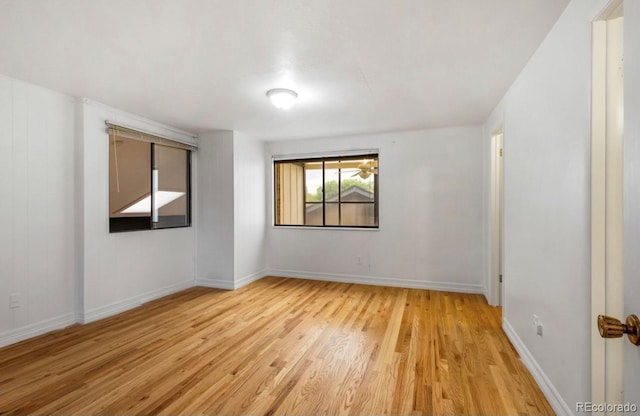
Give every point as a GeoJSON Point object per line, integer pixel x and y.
{"type": "Point", "coordinates": [215, 283]}
{"type": "Point", "coordinates": [380, 281]}
{"type": "Point", "coordinates": [243, 281]}
{"type": "Point", "coordinates": [114, 308]}
{"type": "Point", "coordinates": [33, 330]}
{"type": "Point", "coordinates": [556, 401]}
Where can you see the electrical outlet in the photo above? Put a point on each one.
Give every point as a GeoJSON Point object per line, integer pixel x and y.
{"type": "Point", "coordinates": [14, 300]}
{"type": "Point", "coordinates": [537, 324]}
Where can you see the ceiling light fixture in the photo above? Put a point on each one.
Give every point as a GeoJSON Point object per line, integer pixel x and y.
{"type": "Point", "coordinates": [282, 98]}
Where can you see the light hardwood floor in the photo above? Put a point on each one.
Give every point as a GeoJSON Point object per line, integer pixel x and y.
{"type": "Point", "coordinates": [278, 346]}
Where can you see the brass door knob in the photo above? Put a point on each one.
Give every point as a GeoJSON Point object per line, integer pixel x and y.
{"type": "Point", "coordinates": [613, 328]}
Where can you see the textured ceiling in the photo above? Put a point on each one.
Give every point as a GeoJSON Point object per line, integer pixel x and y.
{"type": "Point", "coordinates": [359, 66]}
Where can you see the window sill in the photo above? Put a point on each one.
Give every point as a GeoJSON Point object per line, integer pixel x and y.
{"type": "Point", "coordinates": [301, 227]}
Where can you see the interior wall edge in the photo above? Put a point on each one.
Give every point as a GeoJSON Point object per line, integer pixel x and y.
{"type": "Point", "coordinates": [78, 208]}
{"type": "Point", "coordinates": [243, 281]}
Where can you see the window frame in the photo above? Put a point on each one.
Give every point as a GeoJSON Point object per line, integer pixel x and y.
{"type": "Point", "coordinates": [339, 203]}
{"type": "Point", "coordinates": [136, 226]}
{"type": "Point", "coordinates": [187, 188]}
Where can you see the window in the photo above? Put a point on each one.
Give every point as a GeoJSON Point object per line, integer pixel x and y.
{"type": "Point", "coordinates": [327, 192]}
{"type": "Point", "coordinates": [149, 181]}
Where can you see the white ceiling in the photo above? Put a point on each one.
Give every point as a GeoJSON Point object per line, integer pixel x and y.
{"type": "Point", "coordinates": [359, 66]}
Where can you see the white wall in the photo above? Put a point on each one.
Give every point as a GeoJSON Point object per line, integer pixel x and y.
{"type": "Point", "coordinates": [122, 270]}
{"type": "Point", "coordinates": [56, 250]}
{"type": "Point", "coordinates": [430, 232]}
{"type": "Point", "coordinates": [546, 115]}
{"type": "Point", "coordinates": [250, 208]}
{"type": "Point", "coordinates": [231, 210]}
{"type": "Point", "coordinates": [632, 190]}
{"type": "Point", "coordinates": [215, 210]}
{"type": "Point", "coordinates": [36, 209]}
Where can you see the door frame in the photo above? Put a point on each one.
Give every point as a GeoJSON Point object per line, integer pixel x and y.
{"type": "Point", "coordinates": [496, 217]}
{"type": "Point", "coordinates": [605, 373]}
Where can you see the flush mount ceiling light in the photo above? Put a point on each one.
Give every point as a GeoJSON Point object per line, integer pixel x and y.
{"type": "Point", "coordinates": [282, 98]}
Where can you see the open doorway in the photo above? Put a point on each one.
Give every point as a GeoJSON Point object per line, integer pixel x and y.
{"type": "Point", "coordinates": [496, 195]}
{"type": "Point", "coordinates": [607, 222]}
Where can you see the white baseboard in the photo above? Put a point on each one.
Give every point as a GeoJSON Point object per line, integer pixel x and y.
{"type": "Point", "coordinates": [556, 401]}
{"type": "Point", "coordinates": [101, 312]}
{"type": "Point", "coordinates": [228, 285]}
{"type": "Point", "coordinates": [380, 281]}
{"type": "Point", "coordinates": [243, 281]}
{"type": "Point", "coordinates": [215, 283]}
{"type": "Point", "coordinates": [485, 292]}
{"type": "Point", "coordinates": [33, 330]}
{"type": "Point", "coordinates": [105, 311]}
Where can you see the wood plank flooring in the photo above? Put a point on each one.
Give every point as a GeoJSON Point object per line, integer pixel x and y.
{"type": "Point", "coordinates": [277, 346]}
